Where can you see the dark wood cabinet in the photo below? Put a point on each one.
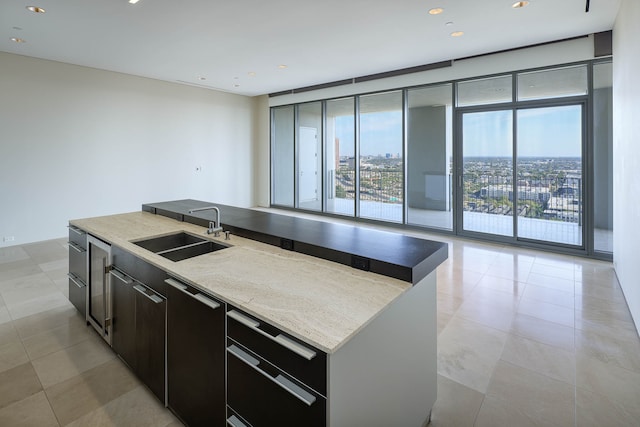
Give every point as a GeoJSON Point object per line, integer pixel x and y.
{"type": "Point", "coordinates": [195, 356]}
{"type": "Point", "coordinates": [150, 330]}
{"type": "Point", "coordinates": [123, 340]}
{"type": "Point", "coordinates": [139, 319]}
{"type": "Point", "coordinates": [273, 378]}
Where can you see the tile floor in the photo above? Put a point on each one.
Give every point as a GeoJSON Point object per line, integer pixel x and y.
{"type": "Point", "coordinates": [525, 338]}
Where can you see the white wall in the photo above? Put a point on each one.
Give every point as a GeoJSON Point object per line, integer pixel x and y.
{"type": "Point", "coordinates": [78, 142]}
{"type": "Point", "coordinates": [626, 156]}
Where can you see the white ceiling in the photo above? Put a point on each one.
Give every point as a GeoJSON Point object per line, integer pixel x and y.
{"type": "Point", "coordinates": [320, 41]}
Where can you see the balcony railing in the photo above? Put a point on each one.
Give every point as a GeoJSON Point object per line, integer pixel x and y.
{"type": "Point", "coordinates": [555, 199]}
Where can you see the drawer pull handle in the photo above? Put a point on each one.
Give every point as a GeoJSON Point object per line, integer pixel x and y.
{"type": "Point", "coordinates": [155, 298]}
{"type": "Point", "coordinates": [122, 277]}
{"type": "Point", "coordinates": [76, 230]}
{"type": "Point", "coordinates": [76, 280]}
{"type": "Point", "coordinates": [280, 339]}
{"type": "Point", "coordinates": [200, 297]}
{"type": "Point", "coordinates": [233, 421]}
{"type": "Point", "coordinates": [280, 380]}
{"type": "Point", "coordinates": [76, 247]}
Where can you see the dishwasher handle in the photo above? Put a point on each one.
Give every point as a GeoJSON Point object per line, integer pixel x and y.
{"type": "Point", "coordinates": [199, 296]}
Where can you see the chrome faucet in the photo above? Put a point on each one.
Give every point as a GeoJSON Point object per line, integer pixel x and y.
{"type": "Point", "coordinates": [215, 227]}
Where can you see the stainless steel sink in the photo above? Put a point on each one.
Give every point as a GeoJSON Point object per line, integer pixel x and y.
{"type": "Point", "coordinates": [180, 246]}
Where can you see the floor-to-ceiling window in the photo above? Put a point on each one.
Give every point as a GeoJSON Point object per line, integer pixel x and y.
{"type": "Point", "coordinates": [282, 156]}
{"type": "Point", "coordinates": [520, 157]}
{"type": "Point", "coordinates": [602, 158]}
{"type": "Point", "coordinates": [381, 157]}
{"type": "Point", "coordinates": [430, 157]}
{"type": "Point", "coordinates": [340, 167]}
{"type": "Point", "coordinates": [309, 172]}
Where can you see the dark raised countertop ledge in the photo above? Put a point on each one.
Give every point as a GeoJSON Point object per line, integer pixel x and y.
{"type": "Point", "coordinates": [389, 254]}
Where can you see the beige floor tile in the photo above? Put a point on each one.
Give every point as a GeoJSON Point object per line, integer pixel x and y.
{"type": "Point", "coordinates": [555, 272]}
{"type": "Point", "coordinates": [611, 293]}
{"type": "Point", "coordinates": [60, 264]}
{"type": "Point", "coordinates": [544, 359]}
{"type": "Point", "coordinates": [84, 393]}
{"type": "Point", "coordinates": [8, 333]}
{"type": "Point", "coordinates": [12, 254]}
{"type": "Point", "coordinates": [457, 282]}
{"type": "Point", "coordinates": [443, 320]}
{"type": "Point", "coordinates": [552, 296]}
{"type": "Point", "coordinates": [621, 330]}
{"type": "Point", "coordinates": [519, 397]}
{"type": "Point", "coordinates": [448, 303]}
{"type": "Point", "coordinates": [137, 408]}
{"type": "Point", "coordinates": [33, 411]}
{"type": "Point", "coordinates": [16, 296]}
{"type": "Point", "coordinates": [586, 302]}
{"type": "Point", "coordinates": [609, 349]}
{"type": "Point", "coordinates": [38, 305]}
{"type": "Point", "coordinates": [545, 311]}
{"type": "Point", "coordinates": [46, 251]}
{"type": "Point", "coordinates": [58, 338]}
{"type": "Point", "coordinates": [543, 331]}
{"type": "Point", "coordinates": [564, 262]}
{"type": "Point", "coordinates": [16, 269]}
{"type": "Point", "coordinates": [510, 286]}
{"type": "Point", "coordinates": [457, 405]}
{"type": "Point", "coordinates": [551, 282]}
{"type": "Point", "coordinates": [618, 384]}
{"type": "Point", "coordinates": [468, 352]}
{"type": "Point", "coordinates": [487, 313]}
{"type": "Point", "coordinates": [69, 362]}
{"type": "Point", "coordinates": [12, 355]}
{"type": "Point", "coordinates": [46, 320]}
{"type": "Point", "coordinates": [596, 410]}
{"type": "Point", "coordinates": [22, 283]}
{"type": "Point", "coordinates": [18, 383]}
{"type": "Point", "coordinates": [5, 317]}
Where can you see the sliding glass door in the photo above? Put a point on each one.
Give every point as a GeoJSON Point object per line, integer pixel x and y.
{"type": "Point", "coordinates": [550, 190]}
{"type": "Point", "coordinates": [522, 173]}
{"type": "Point", "coordinates": [487, 172]}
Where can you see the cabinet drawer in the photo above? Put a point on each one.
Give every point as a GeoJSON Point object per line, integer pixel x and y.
{"type": "Point", "coordinates": [293, 356]}
{"type": "Point", "coordinates": [78, 293]}
{"type": "Point", "coordinates": [265, 396]}
{"type": "Point", "coordinates": [78, 261]}
{"type": "Point", "coordinates": [78, 236]}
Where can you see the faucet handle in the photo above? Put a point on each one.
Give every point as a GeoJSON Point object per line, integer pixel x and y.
{"type": "Point", "coordinates": [227, 235]}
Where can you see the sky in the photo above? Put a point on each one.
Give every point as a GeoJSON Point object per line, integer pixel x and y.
{"type": "Point", "coordinates": [542, 132]}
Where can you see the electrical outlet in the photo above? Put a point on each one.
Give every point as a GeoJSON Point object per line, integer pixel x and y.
{"type": "Point", "coordinates": [8, 238]}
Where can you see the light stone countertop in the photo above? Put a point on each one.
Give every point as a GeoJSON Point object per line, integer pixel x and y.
{"type": "Point", "coordinates": [320, 302]}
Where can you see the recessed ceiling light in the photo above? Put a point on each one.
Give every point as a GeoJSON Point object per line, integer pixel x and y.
{"type": "Point", "coordinates": [519, 4]}
{"type": "Point", "coordinates": [282, 66]}
{"type": "Point", "coordinates": [457, 34]}
{"type": "Point", "coordinates": [18, 40]}
{"type": "Point", "coordinates": [251, 73]}
{"type": "Point", "coordinates": [36, 9]}
{"type": "Point", "coordinates": [436, 11]}
{"type": "Point", "coordinates": [133, 1]}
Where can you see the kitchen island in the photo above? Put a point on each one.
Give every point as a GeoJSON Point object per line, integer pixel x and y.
{"type": "Point", "coordinates": [368, 337]}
